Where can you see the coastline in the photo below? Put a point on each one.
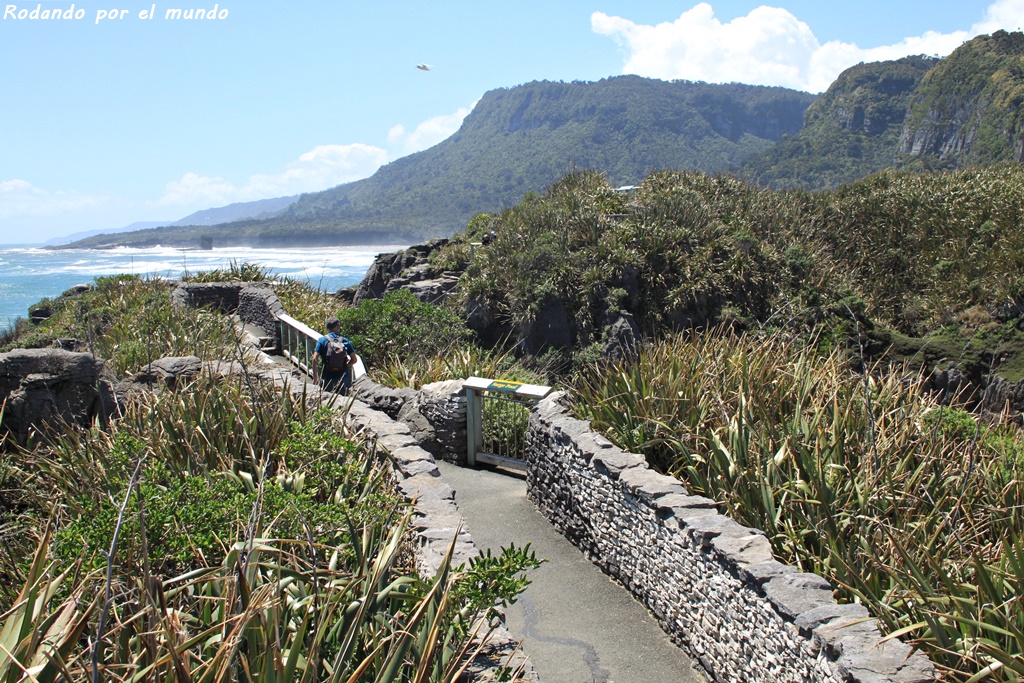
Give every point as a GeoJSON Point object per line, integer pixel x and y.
{"type": "Point", "coordinates": [31, 273]}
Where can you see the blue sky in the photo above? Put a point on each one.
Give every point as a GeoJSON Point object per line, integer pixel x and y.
{"type": "Point", "coordinates": [135, 119]}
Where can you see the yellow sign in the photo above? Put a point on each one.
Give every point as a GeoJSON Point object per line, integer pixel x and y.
{"type": "Point", "coordinates": [504, 385]}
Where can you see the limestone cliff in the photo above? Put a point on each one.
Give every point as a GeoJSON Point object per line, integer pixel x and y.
{"type": "Point", "coordinates": [967, 110]}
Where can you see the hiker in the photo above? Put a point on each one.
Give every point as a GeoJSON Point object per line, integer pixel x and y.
{"type": "Point", "coordinates": [333, 359]}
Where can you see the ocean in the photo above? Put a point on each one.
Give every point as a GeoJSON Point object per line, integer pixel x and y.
{"type": "Point", "coordinates": [28, 274]}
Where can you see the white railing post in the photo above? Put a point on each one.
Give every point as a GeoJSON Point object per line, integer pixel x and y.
{"type": "Point", "coordinates": [474, 432]}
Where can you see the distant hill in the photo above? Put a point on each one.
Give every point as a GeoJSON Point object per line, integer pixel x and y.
{"type": "Point", "coordinates": [518, 140]}
{"type": "Point", "coordinates": [851, 131]}
{"type": "Point", "coordinates": [261, 208]}
{"type": "Point", "coordinates": [76, 236]}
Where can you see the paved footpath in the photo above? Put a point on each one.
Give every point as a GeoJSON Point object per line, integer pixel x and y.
{"type": "Point", "coordinates": [576, 624]}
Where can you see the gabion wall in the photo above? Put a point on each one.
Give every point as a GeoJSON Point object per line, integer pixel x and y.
{"type": "Point", "coordinates": [712, 583]}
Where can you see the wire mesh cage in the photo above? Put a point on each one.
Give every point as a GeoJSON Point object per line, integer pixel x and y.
{"type": "Point", "coordinates": [506, 421]}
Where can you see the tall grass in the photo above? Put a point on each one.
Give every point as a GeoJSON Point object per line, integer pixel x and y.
{"type": "Point", "coordinates": [245, 271]}
{"type": "Point", "coordinates": [851, 476]}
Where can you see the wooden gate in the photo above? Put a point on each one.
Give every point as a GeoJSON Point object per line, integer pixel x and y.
{"type": "Point", "coordinates": [497, 420]}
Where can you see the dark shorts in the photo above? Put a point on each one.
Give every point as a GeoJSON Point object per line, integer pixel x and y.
{"type": "Point", "coordinates": [337, 382]}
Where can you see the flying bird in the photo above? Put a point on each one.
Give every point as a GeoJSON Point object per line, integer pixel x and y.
{"type": "Point", "coordinates": [423, 67]}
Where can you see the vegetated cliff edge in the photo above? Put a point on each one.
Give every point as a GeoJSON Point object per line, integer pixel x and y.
{"type": "Point", "coordinates": [917, 113]}
{"type": "Point", "coordinates": [849, 132]}
{"type": "Point", "coordinates": [967, 110]}
{"type": "Point", "coordinates": [519, 140]}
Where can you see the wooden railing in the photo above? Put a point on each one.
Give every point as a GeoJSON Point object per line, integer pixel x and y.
{"type": "Point", "coordinates": [298, 341]}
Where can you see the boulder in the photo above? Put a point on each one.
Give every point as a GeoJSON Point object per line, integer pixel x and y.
{"type": "Point", "coordinates": [50, 386]}
{"type": "Point", "coordinates": [621, 336]}
{"type": "Point", "coordinates": [170, 371]}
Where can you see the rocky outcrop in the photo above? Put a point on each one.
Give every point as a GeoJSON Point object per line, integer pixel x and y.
{"type": "Point", "coordinates": [431, 291]}
{"type": "Point", "coordinates": [966, 109]}
{"type": "Point", "coordinates": [48, 386]}
{"type": "Point", "coordinates": [992, 394]}
{"type": "Point", "coordinates": [409, 269]}
{"type": "Point", "coordinates": [1002, 396]}
{"type": "Point", "coordinates": [550, 327]}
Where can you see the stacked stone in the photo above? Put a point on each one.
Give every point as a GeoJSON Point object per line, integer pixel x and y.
{"type": "Point", "coordinates": [712, 583]}
{"type": "Point", "coordinates": [443, 405]}
{"type": "Point", "coordinates": [223, 296]}
{"type": "Point", "coordinates": [45, 386]}
{"type": "Point", "coordinates": [258, 305]}
{"type": "Point", "coordinates": [435, 415]}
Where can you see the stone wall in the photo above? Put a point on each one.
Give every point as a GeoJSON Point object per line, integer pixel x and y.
{"type": "Point", "coordinates": [254, 303]}
{"type": "Point", "coordinates": [222, 296]}
{"type": "Point", "coordinates": [711, 582]}
{"type": "Point", "coordinates": [258, 305]}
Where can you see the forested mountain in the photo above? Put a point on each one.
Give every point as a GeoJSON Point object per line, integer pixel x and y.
{"type": "Point", "coordinates": [918, 113]}
{"type": "Point", "coordinates": [518, 140]}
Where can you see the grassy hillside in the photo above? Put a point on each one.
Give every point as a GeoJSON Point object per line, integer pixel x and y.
{"type": "Point", "coordinates": [933, 259]}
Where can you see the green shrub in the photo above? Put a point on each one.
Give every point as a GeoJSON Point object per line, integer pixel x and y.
{"type": "Point", "coordinates": [953, 423]}
{"type": "Point", "coordinates": [400, 325]}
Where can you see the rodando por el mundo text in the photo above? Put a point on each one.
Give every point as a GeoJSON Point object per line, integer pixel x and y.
{"type": "Point", "coordinates": [73, 13]}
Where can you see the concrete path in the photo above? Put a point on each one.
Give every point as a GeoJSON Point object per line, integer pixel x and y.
{"type": "Point", "coordinates": [577, 626]}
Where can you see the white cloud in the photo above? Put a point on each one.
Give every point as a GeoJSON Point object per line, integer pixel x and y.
{"type": "Point", "coordinates": [318, 169]}
{"type": "Point", "coordinates": [768, 46]}
{"type": "Point", "coordinates": [19, 197]}
{"type": "Point", "coordinates": [428, 133]}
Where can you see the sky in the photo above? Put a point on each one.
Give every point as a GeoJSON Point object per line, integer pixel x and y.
{"type": "Point", "coordinates": [125, 114]}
